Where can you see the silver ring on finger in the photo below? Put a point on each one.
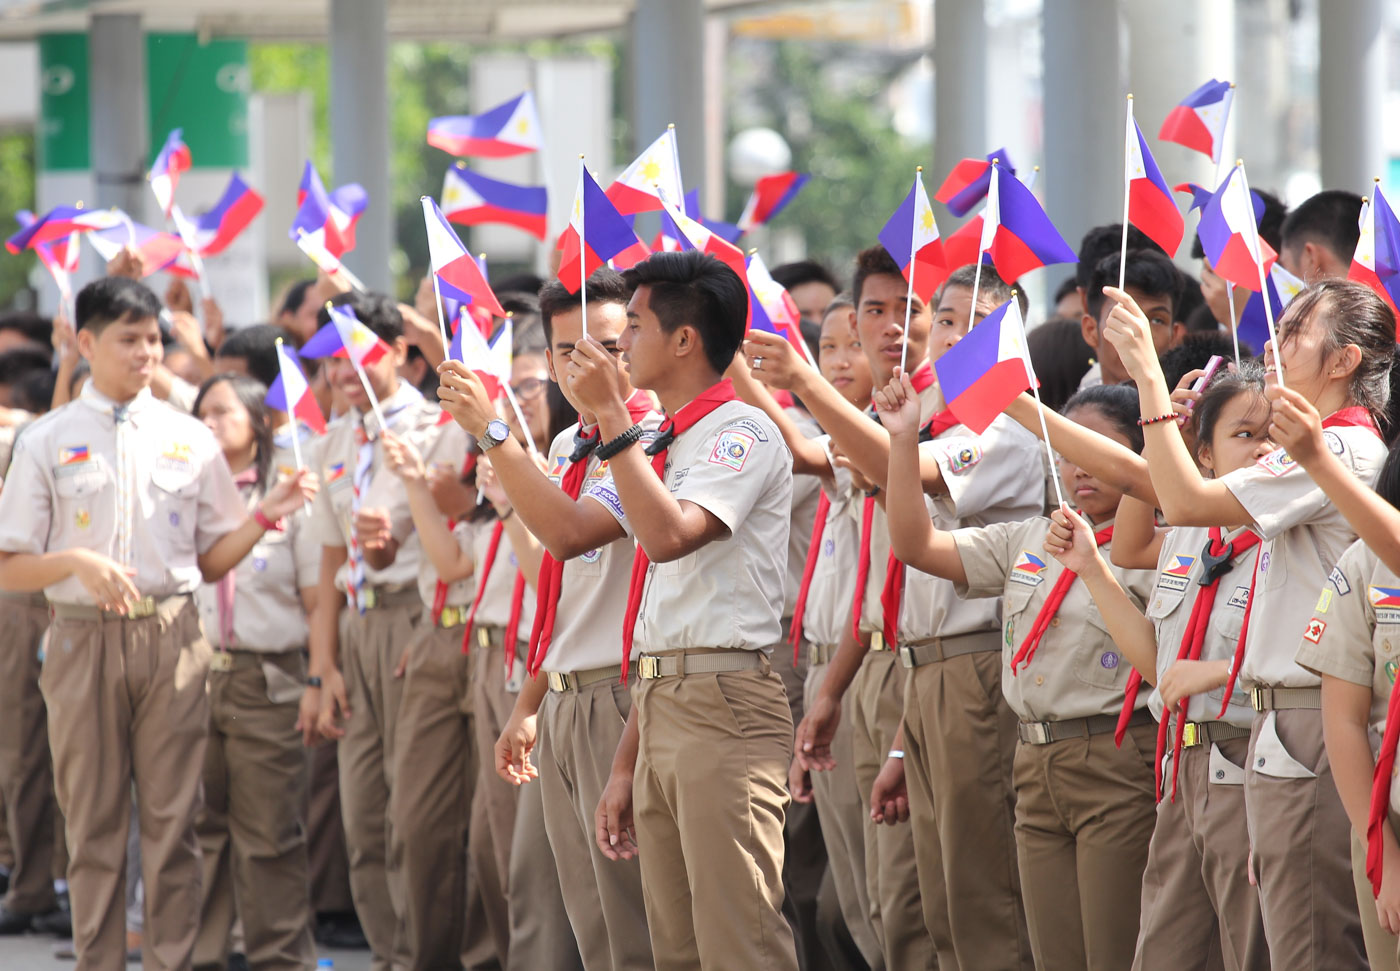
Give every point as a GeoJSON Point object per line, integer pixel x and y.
{"type": "Point", "coordinates": [758, 364]}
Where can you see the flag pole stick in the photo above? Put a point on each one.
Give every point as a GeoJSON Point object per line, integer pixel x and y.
{"type": "Point", "coordinates": [913, 264]}
{"type": "Point", "coordinates": [1263, 282]}
{"type": "Point", "coordinates": [520, 417]}
{"type": "Point", "coordinates": [1127, 183]}
{"type": "Point", "coordinates": [296, 437]}
{"type": "Point", "coordinates": [582, 263]}
{"type": "Point", "coordinates": [306, 244]}
{"type": "Point", "coordinates": [981, 244]}
{"type": "Point", "coordinates": [373, 399]}
{"type": "Point", "coordinates": [1039, 405]}
{"type": "Point", "coordinates": [1234, 324]}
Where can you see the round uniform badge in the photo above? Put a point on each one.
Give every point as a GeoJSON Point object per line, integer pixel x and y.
{"type": "Point", "coordinates": [1390, 670]}
{"type": "Point", "coordinates": [1109, 660]}
{"type": "Point", "coordinates": [175, 519]}
{"type": "Point", "coordinates": [82, 519]}
{"type": "Point", "coordinates": [259, 563]}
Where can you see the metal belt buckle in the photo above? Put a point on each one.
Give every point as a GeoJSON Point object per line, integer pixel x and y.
{"type": "Point", "coordinates": [814, 655]}
{"type": "Point", "coordinates": [1039, 732]}
{"type": "Point", "coordinates": [1256, 699]}
{"type": "Point", "coordinates": [483, 638]}
{"type": "Point", "coordinates": [370, 597]}
{"type": "Point", "coordinates": [1192, 734]}
{"type": "Point", "coordinates": [906, 656]}
{"type": "Point", "coordinates": [452, 616]}
{"type": "Point", "coordinates": [877, 641]}
{"type": "Point", "coordinates": [648, 667]}
{"type": "Point", "coordinates": [221, 661]}
{"type": "Point", "coordinates": [559, 681]}
{"type": "Point", "coordinates": [141, 609]}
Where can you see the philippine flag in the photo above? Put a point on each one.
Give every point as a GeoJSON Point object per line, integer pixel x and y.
{"type": "Point", "coordinates": [328, 218]}
{"type": "Point", "coordinates": [1016, 232]}
{"type": "Point", "coordinates": [1150, 204]}
{"type": "Point", "coordinates": [911, 237]}
{"type": "Point", "coordinates": [772, 308]}
{"type": "Point", "coordinates": [1028, 562]}
{"type": "Point", "coordinates": [1253, 326]}
{"type": "Point", "coordinates": [173, 159]}
{"type": "Point", "coordinates": [158, 250]}
{"type": "Point", "coordinates": [512, 128]}
{"type": "Point", "coordinates": [490, 360]}
{"type": "Point", "coordinates": [345, 336]}
{"type": "Point", "coordinates": [1199, 121]}
{"type": "Point", "coordinates": [221, 225]}
{"type": "Point", "coordinates": [458, 273]}
{"type": "Point", "coordinates": [695, 235]}
{"type": "Point", "coordinates": [654, 174]}
{"type": "Point", "coordinates": [290, 391]}
{"type": "Point", "coordinates": [969, 181]}
{"type": "Point", "coordinates": [1376, 262]}
{"type": "Point", "coordinates": [596, 233]}
{"type": "Point", "coordinates": [984, 372]}
{"type": "Point", "coordinates": [1385, 596]}
{"type": "Point", "coordinates": [1230, 236]}
{"type": "Point", "coordinates": [770, 196]}
{"type": "Point", "coordinates": [60, 257]}
{"type": "Point", "coordinates": [471, 199]}
{"type": "Point", "coordinates": [1180, 566]}
{"type": "Point", "coordinates": [60, 223]}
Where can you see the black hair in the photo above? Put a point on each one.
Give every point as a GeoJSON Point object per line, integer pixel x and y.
{"type": "Point", "coordinates": [1195, 351]}
{"type": "Point", "coordinates": [19, 361]}
{"type": "Point", "coordinates": [33, 392]}
{"type": "Point", "coordinates": [1102, 241]}
{"type": "Point", "coordinates": [695, 288]}
{"type": "Point", "coordinates": [1391, 426]}
{"type": "Point", "coordinates": [1116, 402]}
{"type": "Point", "coordinates": [377, 311]}
{"type": "Point", "coordinates": [789, 275]}
{"type": "Point", "coordinates": [1061, 358]}
{"type": "Point", "coordinates": [250, 393]}
{"type": "Point", "coordinates": [1148, 271]}
{"type": "Point", "coordinates": [114, 299]}
{"type": "Point", "coordinates": [527, 283]}
{"type": "Point", "coordinates": [295, 296]}
{"type": "Point", "coordinates": [1202, 321]}
{"type": "Point", "coordinates": [1067, 286]}
{"type": "Point", "coordinates": [874, 261]}
{"type": "Point", "coordinates": [842, 299]}
{"type": "Point", "coordinates": [604, 286]}
{"type": "Point", "coordinates": [991, 285]}
{"type": "Point", "coordinates": [32, 326]}
{"type": "Point", "coordinates": [1225, 386]}
{"type": "Point", "coordinates": [256, 346]}
{"type": "Point", "coordinates": [1354, 315]}
{"type": "Point", "coordinates": [1329, 219]}
{"type": "Point", "coordinates": [1388, 482]}
{"type": "Point", "coordinates": [1270, 224]}
{"type": "Point", "coordinates": [1190, 298]}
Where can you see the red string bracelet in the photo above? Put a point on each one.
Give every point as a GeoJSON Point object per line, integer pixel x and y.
{"type": "Point", "coordinates": [1144, 422]}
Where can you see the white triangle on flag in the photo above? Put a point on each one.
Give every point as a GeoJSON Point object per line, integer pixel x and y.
{"type": "Point", "coordinates": [457, 194]}
{"type": "Point", "coordinates": [523, 127]}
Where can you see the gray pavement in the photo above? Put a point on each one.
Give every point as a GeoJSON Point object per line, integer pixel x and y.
{"type": "Point", "coordinates": [36, 953]}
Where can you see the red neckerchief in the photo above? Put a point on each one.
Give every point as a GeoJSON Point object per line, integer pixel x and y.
{"type": "Point", "coordinates": [672, 428]}
{"type": "Point", "coordinates": [813, 552]}
{"type": "Point", "coordinates": [551, 570]}
{"type": "Point", "coordinates": [512, 634]}
{"type": "Point", "coordinates": [1051, 607]}
{"type": "Point", "coordinates": [1352, 416]}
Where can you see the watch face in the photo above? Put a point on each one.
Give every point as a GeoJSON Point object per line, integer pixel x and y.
{"type": "Point", "coordinates": [498, 430]}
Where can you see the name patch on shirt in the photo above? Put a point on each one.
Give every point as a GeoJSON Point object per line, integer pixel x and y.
{"type": "Point", "coordinates": [1313, 632]}
{"type": "Point", "coordinates": [750, 426]}
{"type": "Point", "coordinates": [732, 450]}
{"type": "Point", "coordinates": [1177, 576]}
{"type": "Point", "coordinates": [963, 458]}
{"type": "Point", "coordinates": [1028, 570]}
{"type": "Point", "coordinates": [1240, 598]}
{"type": "Point", "coordinates": [1386, 601]}
{"type": "Point", "coordinates": [1339, 582]}
{"type": "Point", "coordinates": [1277, 462]}
{"type": "Point", "coordinates": [176, 455]}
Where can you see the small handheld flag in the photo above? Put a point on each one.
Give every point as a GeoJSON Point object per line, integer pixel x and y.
{"type": "Point", "coordinates": [222, 224]}
{"type": "Point", "coordinates": [189, 237]}
{"type": "Point", "coordinates": [654, 173]}
{"type": "Point", "coordinates": [60, 258]}
{"type": "Point", "coordinates": [985, 371]}
{"type": "Point", "coordinates": [511, 128]}
{"type": "Point", "coordinates": [596, 233]}
{"type": "Point", "coordinates": [472, 199]}
{"type": "Point", "coordinates": [1230, 236]}
{"type": "Point", "coordinates": [345, 336]}
{"type": "Point", "coordinates": [1147, 201]}
{"type": "Point", "coordinates": [1198, 122]}
{"type": "Point", "coordinates": [695, 235]}
{"type": "Point", "coordinates": [1376, 262]}
{"type": "Point", "coordinates": [1016, 232]}
{"type": "Point", "coordinates": [969, 181]}
{"type": "Point", "coordinates": [1253, 327]}
{"type": "Point", "coordinates": [770, 196]}
{"type": "Point", "coordinates": [61, 222]}
{"type": "Point", "coordinates": [158, 250]}
{"type": "Point", "coordinates": [174, 158]}
{"type": "Point", "coordinates": [329, 218]}
{"type": "Point", "coordinates": [772, 308]}
{"type": "Point", "coordinates": [911, 237]}
{"type": "Point", "coordinates": [455, 271]}
{"type": "Point", "coordinates": [291, 392]}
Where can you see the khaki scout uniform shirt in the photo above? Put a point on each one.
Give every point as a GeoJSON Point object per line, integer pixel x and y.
{"type": "Point", "coordinates": [1360, 639]}
{"type": "Point", "coordinates": [152, 492]}
{"type": "Point", "coordinates": [494, 610]}
{"type": "Point", "coordinates": [728, 593]}
{"type": "Point", "coordinates": [1169, 608]}
{"type": "Point", "coordinates": [333, 520]}
{"type": "Point", "coordinates": [1077, 670]}
{"type": "Point", "coordinates": [1303, 536]}
{"type": "Point", "coordinates": [806, 491]}
{"type": "Point", "coordinates": [827, 614]}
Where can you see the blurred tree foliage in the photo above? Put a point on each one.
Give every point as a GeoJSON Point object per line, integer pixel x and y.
{"type": "Point", "coordinates": [16, 192]}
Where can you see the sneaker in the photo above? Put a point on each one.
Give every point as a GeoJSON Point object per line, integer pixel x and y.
{"type": "Point", "coordinates": [340, 931]}
{"type": "Point", "coordinates": [57, 923]}
{"type": "Point", "coordinates": [12, 922]}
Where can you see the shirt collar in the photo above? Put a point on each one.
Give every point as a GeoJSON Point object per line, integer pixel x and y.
{"type": "Point", "coordinates": [102, 404]}
{"type": "Point", "coordinates": [391, 407]}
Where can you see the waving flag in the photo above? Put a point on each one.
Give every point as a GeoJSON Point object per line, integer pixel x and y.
{"type": "Point", "coordinates": [512, 128]}
{"type": "Point", "coordinates": [770, 195]}
{"type": "Point", "coordinates": [327, 217]}
{"type": "Point", "coordinates": [1253, 326]}
{"type": "Point", "coordinates": [1229, 235]}
{"type": "Point", "coordinates": [221, 225]}
{"type": "Point", "coordinates": [911, 237]}
{"type": "Point", "coordinates": [291, 392]}
{"type": "Point", "coordinates": [1376, 262]}
{"type": "Point", "coordinates": [59, 224]}
{"type": "Point", "coordinates": [984, 372]}
{"type": "Point", "coordinates": [1199, 121]}
{"type": "Point", "coordinates": [1150, 204]}
{"type": "Point", "coordinates": [173, 159]}
{"type": "Point", "coordinates": [772, 308]}
{"type": "Point", "coordinates": [969, 181]}
{"type": "Point", "coordinates": [189, 237]}
{"type": "Point", "coordinates": [596, 233]}
{"type": "Point", "coordinates": [457, 271]}
{"type": "Point", "coordinates": [490, 360]}
{"type": "Point", "coordinates": [1016, 233]}
{"type": "Point", "coordinates": [60, 257]}
{"type": "Point", "coordinates": [653, 174]}
{"type": "Point", "coordinates": [471, 199]}
{"type": "Point", "coordinates": [158, 250]}
{"type": "Point", "coordinates": [694, 235]}
{"type": "Point", "coordinates": [345, 336]}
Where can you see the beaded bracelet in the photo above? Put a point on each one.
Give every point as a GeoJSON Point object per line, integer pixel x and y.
{"type": "Point", "coordinates": [1144, 422]}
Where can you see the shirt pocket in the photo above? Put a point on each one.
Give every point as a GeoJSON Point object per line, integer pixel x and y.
{"type": "Point", "coordinates": [176, 496]}
{"type": "Point", "coordinates": [675, 568]}
{"type": "Point", "coordinates": [85, 485]}
{"type": "Point", "coordinates": [1016, 618]}
{"type": "Point", "coordinates": [1099, 662]}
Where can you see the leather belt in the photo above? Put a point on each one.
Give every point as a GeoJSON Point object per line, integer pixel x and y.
{"type": "Point", "coordinates": [1045, 733]}
{"type": "Point", "coordinates": [1204, 733]}
{"type": "Point", "coordinates": [142, 609]}
{"type": "Point", "coordinates": [934, 649]}
{"type": "Point", "coordinates": [652, 666]}
{"type": "Point", "coordinates": [1276, 699]}
{"type": "Point", "coordinates": [578, 680]}
{"type": "Point", "coordinates": [381, 598]}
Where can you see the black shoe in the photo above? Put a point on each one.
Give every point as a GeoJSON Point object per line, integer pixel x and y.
{"type": "Point", "coordinates": [4, 881]}
{"type": "Point", "coordinates": [13, 922]}
{"type": "Point", "coordinates": [57, 922]}
{"type": "Point", "coordinates": [237, 962]}
{"type": "Point", "coordinates": [341, 932]}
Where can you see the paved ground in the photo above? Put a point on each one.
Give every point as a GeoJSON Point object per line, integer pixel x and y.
{"type": "Point", "coordinates": [34, 953]}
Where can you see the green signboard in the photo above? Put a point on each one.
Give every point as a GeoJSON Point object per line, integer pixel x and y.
{"type": "Point", "coordinates": [63, 102]}
{"type": "Point", "coordinates": [203, 90]}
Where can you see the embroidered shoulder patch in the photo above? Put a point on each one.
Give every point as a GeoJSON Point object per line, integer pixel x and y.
{"type": "Point", "coordinates": [1240, 598]}
{"type": "Point", "coordinates": [1028, 570]}
{"type": "Point", "coordinates": [962, 457]}
{"type": "Point", "coordinates": [731, 450]}
{"type": "Point", "coordinates": [1334, 443]}
{"type": "Point", "coordinates": [1339, 582]}
{"type": "Point", "coordinates": [1276, 463]}
{"type": "Point", "coordinates": [747, 425]}
{"type": "Point", "coordinates": [1313, 632]}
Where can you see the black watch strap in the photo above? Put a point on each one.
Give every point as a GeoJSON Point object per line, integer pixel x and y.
{"type": "Point", "coordinates": [608, 449]}
{"type": "Point", "coordinates": [313, 682]}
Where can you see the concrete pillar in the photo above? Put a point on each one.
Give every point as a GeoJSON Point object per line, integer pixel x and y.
{"type": "Point", "coordinates": [667, 62]}
{"type": "Point", "coordinates": [1085, 81]}
{"type": "Point", "coordinates": [1351, 87]}
{"type": "Point", "coordinates": [117, 90]}
{"type": "Point", "coordinates": [359, 49]}
{"type": "Point", "coordinates": [959, 85]}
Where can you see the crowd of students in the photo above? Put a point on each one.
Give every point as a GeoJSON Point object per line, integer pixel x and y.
{"type": "Point", "coordinates": [708, 657]}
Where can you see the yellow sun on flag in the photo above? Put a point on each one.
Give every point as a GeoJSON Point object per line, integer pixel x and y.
{"type": "Point", "coordinates": [926, 220]}
{"type": "Point", "coordinates": [651, 170]}
{"type": "Point", "coordinates": [523, 126]}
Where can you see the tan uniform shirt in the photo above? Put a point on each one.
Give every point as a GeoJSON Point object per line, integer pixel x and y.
{"type": "Point", "coordinates": [827, 614]}
{"type": "Point", "coordinates": [1077, 670]}
{"type": "Point", "coordinates": [494, 610]}
{"type": "Point", "coordinates": [1303, 536]}
{"type": "Point", "coordinates": [1169, 608]}
{"type": "Point", "coordinates": [728, 593]}
{"type": "Point", "coordinates": [407, 414]}
{"type": "Point", "coordinates": [806, 491]}
{"type": "Point", "coordinates": [1357, 634]}
{"type": "Point", "coordinates": [152, 492]}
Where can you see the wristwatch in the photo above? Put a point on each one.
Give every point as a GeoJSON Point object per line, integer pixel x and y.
{"type": "Point", "coordinates": [496, 432]}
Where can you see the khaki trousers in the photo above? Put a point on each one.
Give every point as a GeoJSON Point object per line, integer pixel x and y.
{"type": "Point", "coordinates": [1084, 816]}
{"type": "Point", "coordinates": [1197, 905]}
{"type": "Point", "coordinates": [960, 744]}
{"type": "Point", "coordinates": [1381, 945]}
{"type": "Point", "coordinates": [1299, 829]}
{"type": "Point", "coordinates": [709, 795]}
{"type": "Point", "coordinates": [26, 769]}
{"type": "Point", "coordinates": [329, 860]}
{"type": "Point", "coordinates": [843, 822]}
{"type": "Point", "coordinates": [891, 871]}
{"type": "Point", "coordinates": [251, 829]}
{"type": "Point", "coordinates": [126, 703]}
{"type": "Point", "coordinates": [430, 806]}
{"type": "Point", "coordinates": [578, 734]}
{"type": "Point", "coordinates": [370, 647]}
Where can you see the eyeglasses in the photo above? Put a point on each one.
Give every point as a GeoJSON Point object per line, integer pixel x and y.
{"type": "Point", "coordinates": [528, 389]}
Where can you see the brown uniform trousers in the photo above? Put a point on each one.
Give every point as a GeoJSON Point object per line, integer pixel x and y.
{"type": "Point", "coordinates": [844, 818]}
{"type": "Point", "coordinates": [960, 743]}
{"type": "Point", "coordinates": [251, 829]}
{"type": "Point", "coordinates": [444, 920]}
{"type": "Point", "coordinates": [26, 770]}
{"type": "Point", "coordinates": [1084, 818]}
{"type": "Point", "coordinates": [579, 729]}
{"type": "Point", "coordinates": [709, 794]}
{"type": "Point", "coordinates": [325, 834]}
{"type": "Point", "coordinates": [891, 870]}
{"type": "Point", "coordinates": [126, 701]}
{"type": "Point", "coordinates": [1198, 909]}
{"type": "Point", "coordinates": [508, 847]}
{"type": "Point", "coordinates": [1301, 853]}
{"type": "Point", "coordinates": [370, 648]}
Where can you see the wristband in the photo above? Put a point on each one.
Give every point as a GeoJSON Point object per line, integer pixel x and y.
{"type": "Point", "coordinates": [1144, 422]}
{"type": "Point", "coordinates": [261, 519]}
{"type": "Point", "coordinates": [608, 449]}
{"type": "Point", "coordinates": [896, 753]}
{"type": "Point", "coordinates": [313, 682]}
